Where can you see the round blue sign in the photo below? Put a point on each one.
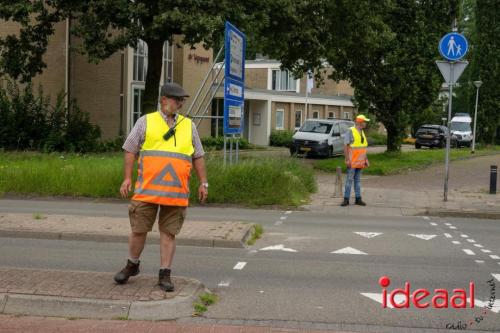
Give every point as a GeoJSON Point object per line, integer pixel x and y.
{"type": "Point", "coordinates": [453, 46]}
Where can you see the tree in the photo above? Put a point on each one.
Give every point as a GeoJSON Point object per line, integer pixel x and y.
{"type": "Point", "coordinates": [106, 26]}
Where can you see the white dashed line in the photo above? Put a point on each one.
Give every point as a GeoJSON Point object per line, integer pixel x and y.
{"type": "Point", "coordinates": [452, 227]}
{"type": "Point", "coordinates": [432, 223]}
{"type": "Point", "coordinates": [288, 212]}
{"type": "Point", "coordinates": [283, 218]}
{"type": "Point", "coordinates": [496, 276]}
{"type": "Point", "coordinates": [240, 265]}
{"type": "Point", "coordinates": [480, 261]}
{"type": "Point", "coordinates": [478, 245]}
{"type": "Point", "coordinates": [486, 251]}
{"type": "Point", "coordinates": [224, 283]}
{"type": "Point", "coordinates": [456, 242]}
{"type": "Point", "coordinates": [464, 236]}
{"type": "Point", "coordinates": [448, 236]}
{"type": "Point", "coordinates": [469, 252]}
{"type": "Point", "coordinates": [448, 224]}
{"type": "Point", "coordinates": [494, 256]}
{"type": "Point", "coordinates": [471, 240]}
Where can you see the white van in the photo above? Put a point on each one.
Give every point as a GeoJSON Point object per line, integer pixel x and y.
{"type": "Point", "coordinates": [461, 129]}
{"type": "Point", "coordinates": [321, 137]}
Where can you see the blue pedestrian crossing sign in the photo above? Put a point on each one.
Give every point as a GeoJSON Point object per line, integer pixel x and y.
{"type": "Point", "coordinates": [453, 46]}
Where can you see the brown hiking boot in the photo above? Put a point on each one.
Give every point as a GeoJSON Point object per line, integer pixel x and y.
{"type": "Point", "coordinates": [345, 203]}
{"type": "Point", "coordinates": [164, 280]}
{"type": "Point", "coordinates": [130, 270]}
{"type": "Point", "coordinates": [360, 202]}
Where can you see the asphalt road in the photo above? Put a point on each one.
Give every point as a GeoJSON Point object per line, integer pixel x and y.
{"type": "Point", "coordinates": [291, 274]}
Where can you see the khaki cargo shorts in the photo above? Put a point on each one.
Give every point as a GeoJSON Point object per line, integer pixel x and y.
{"type": "Point", "coordinates": [143, 215]}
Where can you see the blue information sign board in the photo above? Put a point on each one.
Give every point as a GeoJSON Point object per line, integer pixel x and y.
{"type": "Point", "coordinates": [234, 85]}
{"type": "Point", "coordinates": [453, 46]}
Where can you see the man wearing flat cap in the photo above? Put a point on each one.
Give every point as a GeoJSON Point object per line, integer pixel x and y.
{"type": "Point", "coordinates": [356, 160]}
{"type": "Point", "coordinates": [167, 146]}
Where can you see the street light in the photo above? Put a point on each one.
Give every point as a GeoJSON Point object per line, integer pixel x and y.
{"type": "Point", "coordinates": [477, 84]}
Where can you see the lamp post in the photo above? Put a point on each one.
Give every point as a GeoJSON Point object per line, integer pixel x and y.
{"type": "Point", "coordinates": [477, 84]}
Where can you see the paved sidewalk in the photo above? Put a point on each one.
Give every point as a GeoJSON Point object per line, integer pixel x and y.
{"type": "Point", "coordinates": [418, 192]}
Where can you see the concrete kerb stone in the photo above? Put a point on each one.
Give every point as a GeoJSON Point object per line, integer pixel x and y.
{"type": "Point", "coordinates": [3, 301]}
{"type": "Point", "coordinates": [463, 214]}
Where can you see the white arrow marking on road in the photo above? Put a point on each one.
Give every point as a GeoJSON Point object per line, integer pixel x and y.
{"type": "Point", "coordinates": [368, 234]}
{"type": "Point", "coordinates": [494, 256]}
{"type": "Point", "coordinates": [456, 242]}
{"type": "Point", "coordinates": [469, 252]}
{"type": "Point", "coordinates": [279, 247]}
{"type": "Point", "coordinates": [496, 276]}
{"type": "Point", "coordinates": [495, 308]}
{"type": "Point", "coordinates": [377, 297]}
{"type": "Point", "coordinates": [348, 250]}
{"type": "Point", "coordinates": [432, 223]}
{"type": "Point", "coordinates": [240, 265]}
{"type": "Point", "coordinates": [422, 236]}
{"type": "Point", "coordinates": [478, 245]}
{"type": "Point", "coordinates": [448, 236]}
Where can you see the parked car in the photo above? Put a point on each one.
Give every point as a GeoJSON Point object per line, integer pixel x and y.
{"type": "Point", "coordinates": [321, 137]}
{"type": "Point", "coordinates": [432, 136]}
{"type": "Point", "coordinates": [461, 130]}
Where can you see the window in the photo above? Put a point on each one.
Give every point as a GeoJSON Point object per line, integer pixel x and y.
{"type": "Point", "coordinates": [283, 80]}
{"type": "Point", "coordinates": [280, 119]}
{"type": "Point", "coordinates": [344, 127]}
{"type": "Point", "coordinates": [140, 61]}
{"type": "Point", "coordinates": [331, 115]}
{"type": "Point", "coordinates": [298, 118]}
{"type": "Point", "coordinates": [168, 68]}
{"type": "Point", "coordinates": [347, 115]}
{"type": "Point", "coordinates": [336, 130]}
{"type": "Point", "coordinates": [137, 105]}
{"type": "Point", "coordinates": [315, 114]}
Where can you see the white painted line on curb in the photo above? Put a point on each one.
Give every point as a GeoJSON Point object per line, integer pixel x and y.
{"type": "Point", "coordinates": [240, 265]}
{"type": "Point", "coordinates": [471, 240]}
{"type": "Point", "coordinates": [464, 236]}
{"type": "Point", "coordinates": [456, 242]}
{"type": "Point", "coordinates": [496, 276]}
{"type": "Point", "coordinates": [480, 261]}
{"type": "Point", "coordinates": [469, 252]}
{"type": "Point", "coordinates": [478, 245]}
{"type": "Point", "coordinates": [452, 227]}
{"type": "Point", "coordinates": [448, 236]}
{"type": "Point", "coordinates": [348, 250]}
{"type": "Point", "coordinates": [288, 212]}
{"type": "Point", "coordinates": [494, 256]}
{"type": "Point", "coordinates": [486, 251]}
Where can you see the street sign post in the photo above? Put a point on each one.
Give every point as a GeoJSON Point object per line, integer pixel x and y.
{"type": "Point", "coordinates": [453, 47]}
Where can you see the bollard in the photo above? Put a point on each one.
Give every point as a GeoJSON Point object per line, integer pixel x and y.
{"type": "Point", "coordinates": [493, 179]}
{"type": "Point", "coordinates": [338, 184]}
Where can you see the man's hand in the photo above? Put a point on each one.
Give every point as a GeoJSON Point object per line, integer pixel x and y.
{"type": "Point", "coordinates": [126, 187]}
{"type": "Point", "coordinates": [202, 193]}
{"type": "Point", "coordinates": [348, 163]}
{"type": "Point", "coordinates": [367, 163]}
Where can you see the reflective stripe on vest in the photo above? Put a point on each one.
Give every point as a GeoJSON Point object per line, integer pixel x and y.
{"type": "Point", "coordinates": [358, 149]}
{"type": "Point", "coordinates": [165, 166]}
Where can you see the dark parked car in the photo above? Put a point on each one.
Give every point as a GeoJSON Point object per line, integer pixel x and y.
{"type": "Point", "coordinates": [432, 136]}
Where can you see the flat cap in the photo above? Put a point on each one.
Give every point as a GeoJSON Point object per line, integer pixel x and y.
{"type": "Point", "coordinates": [173, 90]}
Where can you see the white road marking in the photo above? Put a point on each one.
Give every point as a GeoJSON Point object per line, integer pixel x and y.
{"type": "Point", "coordinates": [496, 276]}
{"type": "Point", "coordinates": [224, 283]}
{"type": "Point", "coordinates": [448, 236]}
{"type": "Point", "coordinates": [368, 234]}
{"type": "Point", "coordinates": [422, 236]}
{"type": "Point", "coordinates": [452, 227]}
{"type": "Point", "coordinates": [240, 265]}
{"type": "Point", "coordinates": [288, 212]}
{"type": "Point", "coordinates": [469, 252]}
{"type": "Point", "coordinates": [471, 240]}
{"type": "Point", "coordinates": [478, 245]}
{"type": "Point", "coordinates": [456, 242]}
{"type": "Point", "coordinates": [480, 261]}
{"type": "Point", "coordinates": [486, 251]}
{"type": "Point", "coordinates": [348, 250]}
{"type": "Point", "coordinates": [252, 252]}
{"type": "Point", "coordinates": [278, 223]}
{"type": "Point", "coordinates": [495, 308]}
{"type": "Point", "coordinates": [494, 256]}
{"type": "Point", "coordinates": [283, 218]}
{"type": "Point", "coordinates": [426, 217]}
{"type": "Point", "coordinates": [279, 247]}
{"type": "Point", "coordinates": [464, 236]}
{"type": "Point", "coordinates": [448, 224]}
{"type": "Point", "coordinates": [432, 223]}
{"type": "Point", "coordinates": [377, 297]}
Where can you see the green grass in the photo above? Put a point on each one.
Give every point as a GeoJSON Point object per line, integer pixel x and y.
{"type": "Point", "coordinates": [393, 163]}
{"type": "Point", "coordinates": [206, 300]}
{"type": "Point", "coordinates": [252, 182]}
{"type": "Point", "coordinates": [38, 216]}
{"type": "Point", "coordinates": [257, 232]}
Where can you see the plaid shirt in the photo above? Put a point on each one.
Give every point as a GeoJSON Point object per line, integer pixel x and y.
{"type": "Point", "coordinates": [136, 138]}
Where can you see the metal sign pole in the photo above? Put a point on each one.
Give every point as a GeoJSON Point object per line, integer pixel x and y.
{"type": "Point", "coordinates": [448, 136]}
{"type": "Point", "coordinates": [237, 148]}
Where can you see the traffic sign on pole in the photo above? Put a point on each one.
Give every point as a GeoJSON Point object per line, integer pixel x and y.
{"type": "Point", "coordinates": [453, 46]}
{"type": "Point", "coordinates": [451, 71]}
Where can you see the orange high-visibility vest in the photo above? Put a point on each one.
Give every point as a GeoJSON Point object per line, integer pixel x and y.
{"type": "Point", "coordinates": [358, 149]}
{"type": "Point", "coordinates": [165, 166]}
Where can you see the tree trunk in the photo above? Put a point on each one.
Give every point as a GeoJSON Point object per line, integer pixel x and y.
{"type": "Point", "coordinates": [393, 137]}
{"type": "Point", "coordinates": [155, 60]}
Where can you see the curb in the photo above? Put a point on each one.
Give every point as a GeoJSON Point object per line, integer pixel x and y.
{"type": "Point", "coordinates": [202, 242]}
{"type": "Point", "coordinates": [56, 306]}
{"type": "Point", "coordinates": [463, 214]}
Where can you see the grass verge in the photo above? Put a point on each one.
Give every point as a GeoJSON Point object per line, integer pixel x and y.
{"type": "Point", "coordinates": [393, 163]}
{"type": "Point", "coordinates": [252, 182]}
